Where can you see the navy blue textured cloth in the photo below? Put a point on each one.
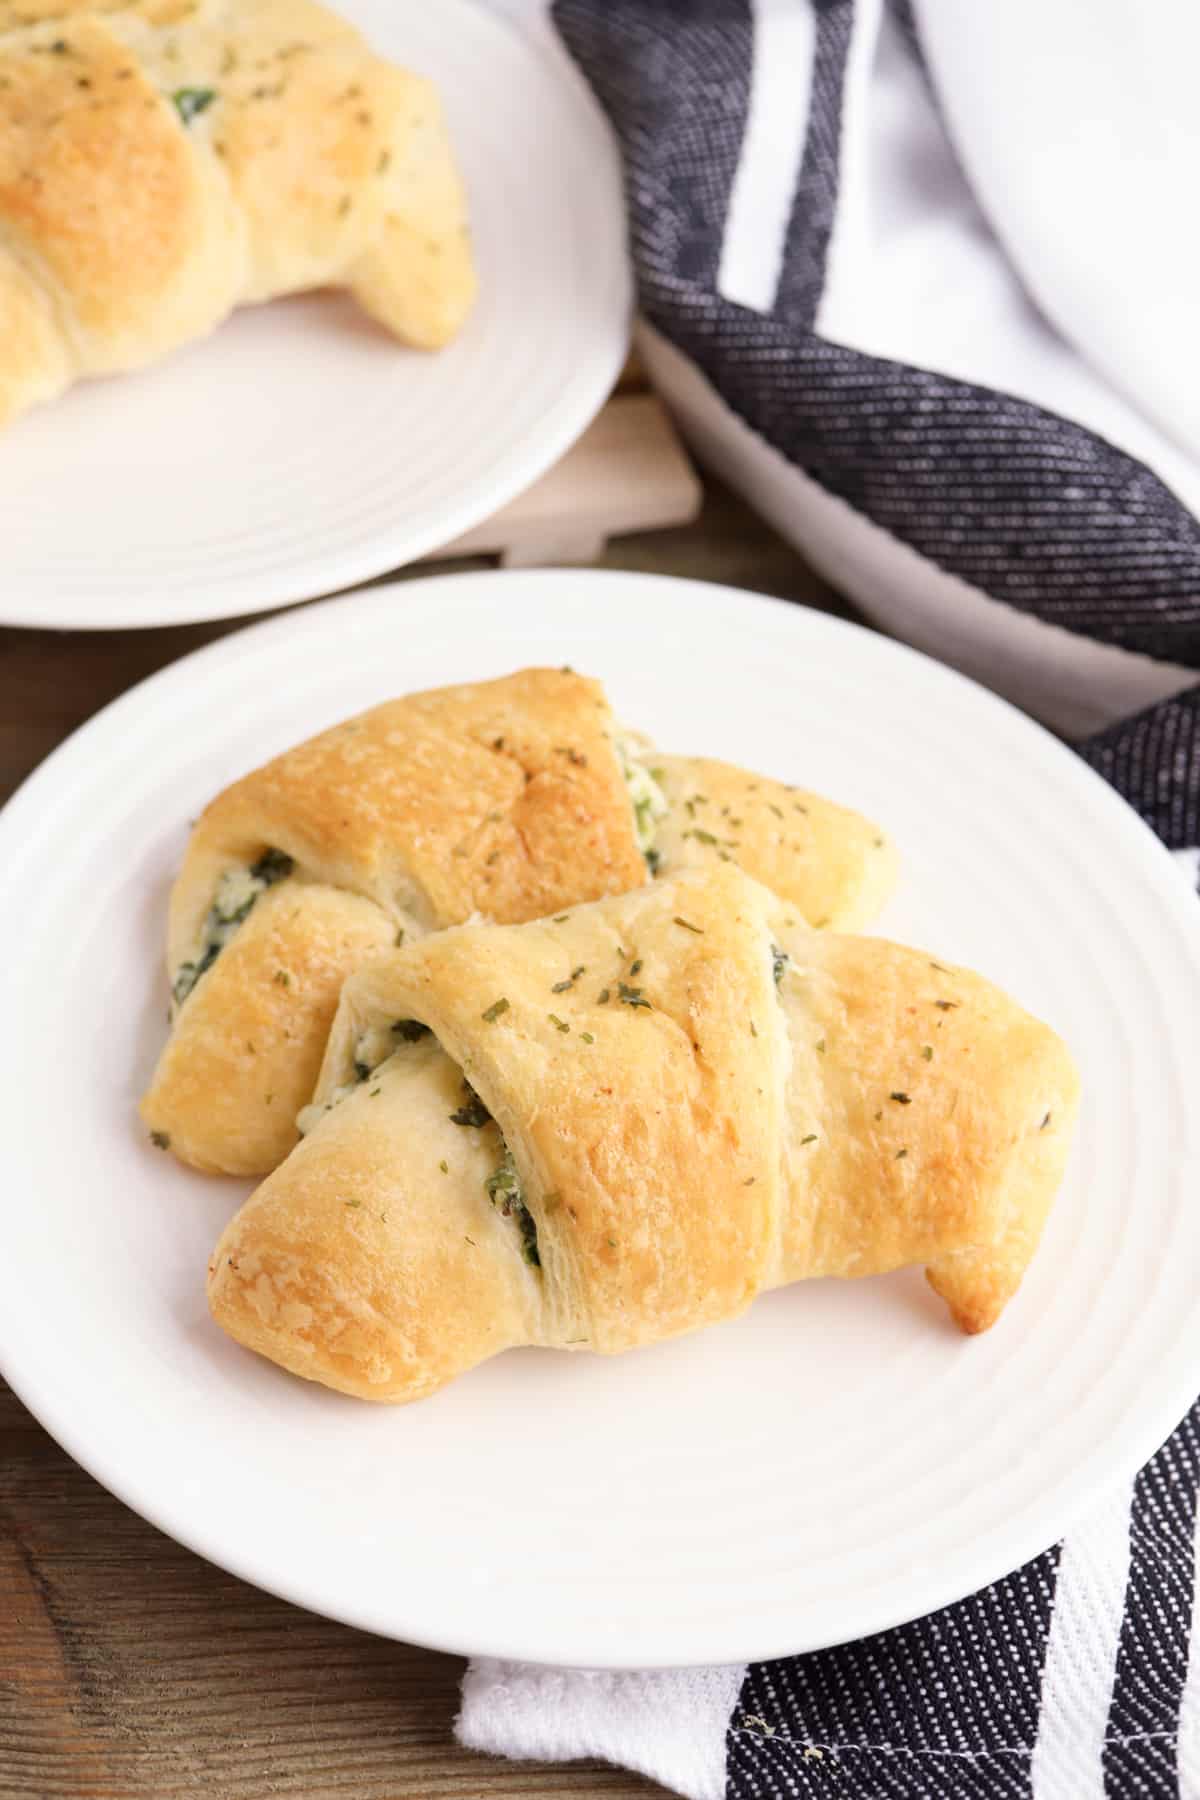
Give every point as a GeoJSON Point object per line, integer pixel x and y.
{"type": "Point", "coordinates": [1028, 507]}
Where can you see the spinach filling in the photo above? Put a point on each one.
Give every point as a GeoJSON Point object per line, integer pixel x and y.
{"type": "Point", "coordinates": [377, 1043]}
{"type": "Point", "coordinates": [372, 1048]}
{"type": "Point", "coordinates": [503, 1185]}
{"type": "Point", "coordinates": [237, 891]}
{"type": "Point", "coordinates": [472, 1113]}
{"type": "Point", "coordinates": [647, 799]}
{"type": "Point", "coordinates": [504, 1191]}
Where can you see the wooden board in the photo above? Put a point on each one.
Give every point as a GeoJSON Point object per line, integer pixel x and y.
{"type": "Point", "coordinates": [628, 472]}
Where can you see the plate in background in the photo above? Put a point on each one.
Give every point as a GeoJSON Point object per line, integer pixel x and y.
{"type": "Point", "coordinates": [837, 1460]}
{"type": "Point", "coordinates": [300, 449]}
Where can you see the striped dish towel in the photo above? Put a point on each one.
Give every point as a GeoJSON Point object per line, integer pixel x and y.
{"type": "Point", "coordinates": [921, 279]}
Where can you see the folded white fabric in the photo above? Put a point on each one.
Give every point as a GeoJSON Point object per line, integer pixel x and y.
{"type": "Point", "coordinates": [920, 278]}
{"type": "Point", "coordinates": [670, 1724]}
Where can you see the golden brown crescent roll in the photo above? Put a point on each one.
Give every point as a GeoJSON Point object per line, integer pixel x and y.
{"type": "Point", "coordinates": [510, 799]}
{"type": "Point", "coordinates": [610, 1128]}
{"type": "Point", "coordinates": [835, 865]}
{"type": "Point", "coordinates": [165, 161]}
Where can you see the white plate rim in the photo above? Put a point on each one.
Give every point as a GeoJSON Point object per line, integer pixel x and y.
{"type": "Point", "coordinates": [1141, 1438]}
{"type": "Point", "coordinates": [524, 461]}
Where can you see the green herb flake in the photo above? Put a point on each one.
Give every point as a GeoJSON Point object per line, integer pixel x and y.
{"type": "Point", "coordinates": [1044, 1123]}
{"type": "Point", "coordinates": [611, 1242]}
{"type": "Point", "coordinates": [810, 1139]}
{"type": "Point", "coordinates": [701, 837]}
{"type": "Point", "coordinates": [444, 1166]}
{"type": "Point", "coordinates": [603, 997]}
{"type": "Point", "coordinates": [749, 1183]}
{"type": "Point", "coordinates": [282, 978]}
{"type": "Point", "coordinates": [900, 1098]}
{"type": "Point", "coordinates": [927, 1052]}
{"type": "Point", "coordinates": [900, 1155]}
{"type": "Point", "coordinates": [561, 918]}
{"type": "Point", "coordinates": [399, 937]}
{"type": "Point", "coordinates": [560, 987]}
{"type": "Point", "coordinates": [162, 1139]}
{"type": "Point", "coordinates": [631, 996]}
{"type": "Point", "coordinates": [635, 968]}
{"type": "Point", "coordinates": [558, 1024]}
{"type": "Point", "coordinates": [753, 1029]}
{"type": "Point", "coordinates": [587, 1037]}
{"type": "Point", "coordinates": [779, 962]}
{"type": "Point", "coordinates": [777, 810]}
{"type": "Point", "coordinates": [191, 101]}
{"type": "Point", "coordinates": [946, 1005]}
{"type": "Point", "coordinates": [494, 1011]}
{"type": "Point", "coordinates": [352, 1203]}
{"type": "Point", "coordinates": [820, 1046]}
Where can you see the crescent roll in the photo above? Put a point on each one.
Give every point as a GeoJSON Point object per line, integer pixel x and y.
{"type": "Point", "coordinates": [609, 1128]}
{"type": "Point", "coordinates": [507, 799]}
{"type": "Point", "coordinates": [165, 161]}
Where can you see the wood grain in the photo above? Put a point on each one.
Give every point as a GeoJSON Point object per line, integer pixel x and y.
{"type": "Point", "coordinates": [129, 1668]}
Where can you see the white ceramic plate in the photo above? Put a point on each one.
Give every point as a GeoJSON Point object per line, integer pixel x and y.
{"type": "Point", "coordinates": [835, 1461]}
{"type": "Point", "coordinates": [300, 449]}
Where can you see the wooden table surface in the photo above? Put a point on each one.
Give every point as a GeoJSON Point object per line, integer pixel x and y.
{"type": "Point", "coordinates": [128, 1666]}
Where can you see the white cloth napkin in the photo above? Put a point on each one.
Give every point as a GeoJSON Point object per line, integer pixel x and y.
{"type": "Point", "coordinates": [669, 1724]}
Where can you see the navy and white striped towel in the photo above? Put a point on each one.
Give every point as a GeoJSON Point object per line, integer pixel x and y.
{"type": "Point", "coordinates": [921, 280]}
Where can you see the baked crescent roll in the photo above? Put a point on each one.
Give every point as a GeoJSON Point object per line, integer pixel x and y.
{"type": "Point", "coordinates": [165, 161]}
{"type": "Point", "coordinates": [613, 1127]}
{"type": "Point", "coordinates": [508, 799]}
